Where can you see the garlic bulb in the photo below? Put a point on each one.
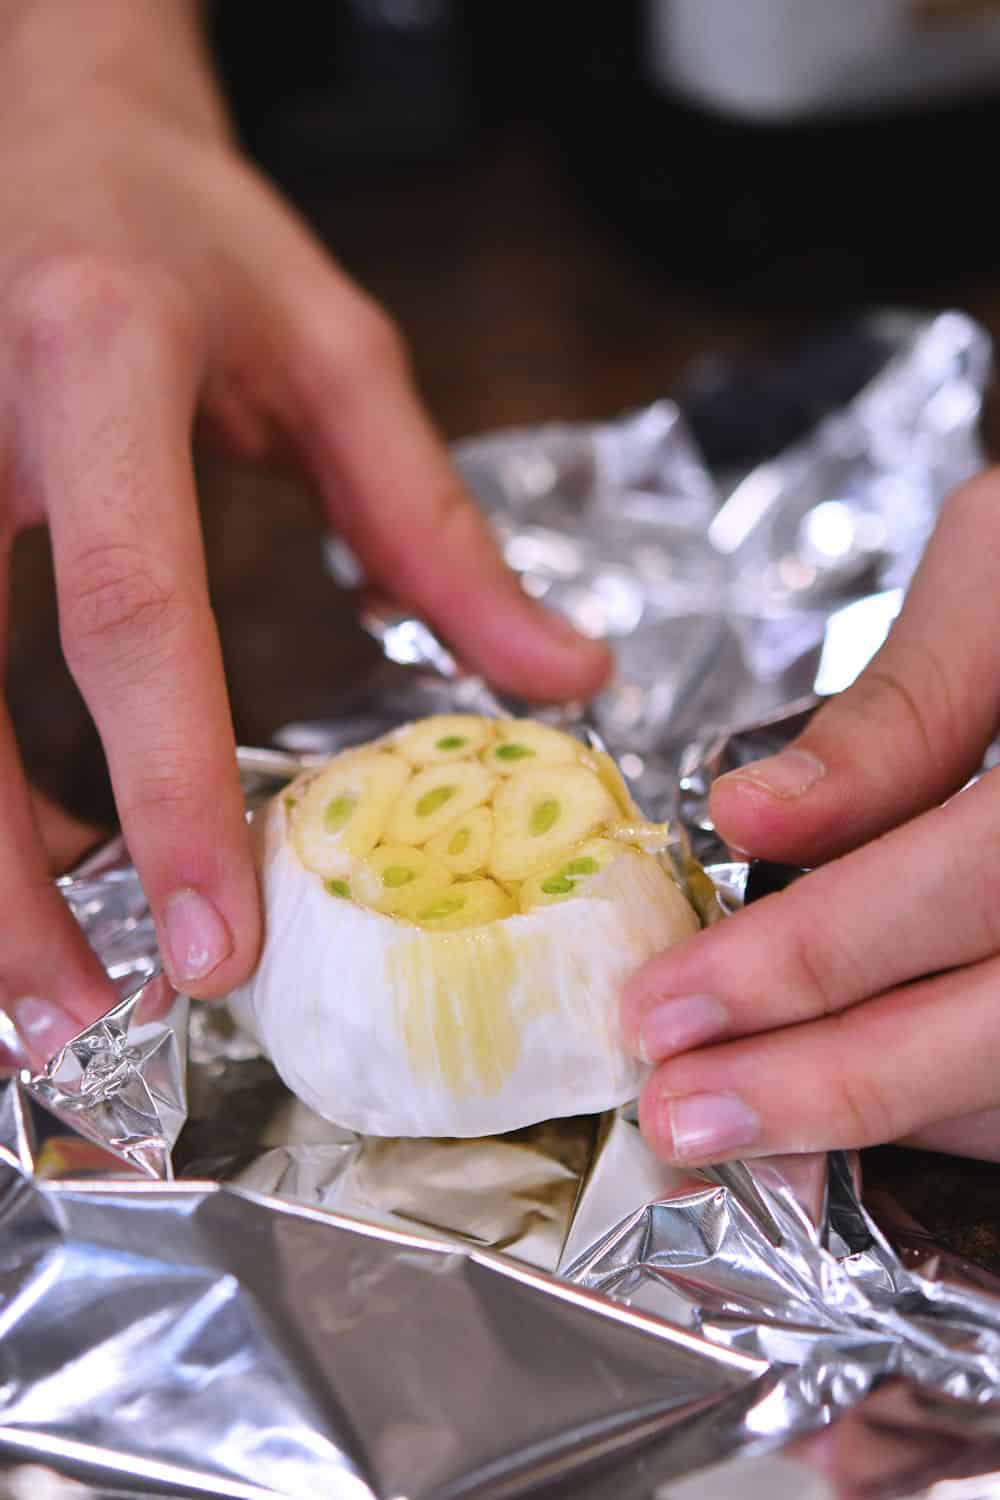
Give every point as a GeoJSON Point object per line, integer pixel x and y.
{"type": "Point", "coordinates": [451, 913]}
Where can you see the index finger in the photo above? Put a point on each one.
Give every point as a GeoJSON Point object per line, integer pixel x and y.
{"type": "Point", "coordinates": [109, 385]}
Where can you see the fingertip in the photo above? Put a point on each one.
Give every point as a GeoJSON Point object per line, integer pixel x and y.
{"type": "Point", "coordinates": [196, 938]}
{"type": "Point", "coordinates": [525, 649]}
{"type": "Point", "coordinates": [697, 1129]}
{"type": "Point", "coordinates": [664, 1006]}
{"type": "Point", "coordinates": [210, 941]}
{"type": "Point", "coordinates": [206, 900]}
{"type": "Point", "coordinates": [745, 815]}
{"type": "Point", "coordinates": [782, 779]}
{"type": "Point", "coordinates": [554, 670]}
{"type": "Point", "coordinates": [590, 669]}
{"type": "Point", "coordinates": [63, 1002]}
{"type": "Point", "coordinates": [44, 1027]}
{"type": "Point", "coordinates": [640, 993]}
{"type": "Point", "coordinates": [241, 897]}
{"type": "Point", "coordinates": [783, 808]}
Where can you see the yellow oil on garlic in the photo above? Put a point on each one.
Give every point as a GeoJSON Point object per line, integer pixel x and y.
{"type": "Point", "coordinates": [601, 763]}
{"type": "Point", "coordinates": [649, 838]}
{"type": "Point", "coordinates": [456, 1006]}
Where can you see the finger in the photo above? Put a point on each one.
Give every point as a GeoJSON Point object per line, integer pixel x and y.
{"type": "Point", "coordinates": [51, 984]}
{"type": "Point", "coordinates": [912, 728]}
{"type": "Point", "coordinates": [885, 1070]}
{"type": "Point", "coordinates": [65, 839]}
{"type": "Point", "coordinates": [923, 898]}
{"type": "Point", "coordinates": [390, 489]}
{"type": "Point", "coordinates": [108, 374]}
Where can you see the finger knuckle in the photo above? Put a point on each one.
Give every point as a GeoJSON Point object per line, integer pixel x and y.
{"type": "Point", "coordinates": [68, 294]}
{"type": "Point", "coordinates": [886, 695]}
{"type": "Point", "coordinates": [77, 301]}
{"type": "Point", "coordinates": [114, 599]}
{"type": "Point", "coordinates": [364, 344]}
{"type": "Point", "coordinates": [862, 1106]}
{"type": "Point", "coordinates": [374, 340]}
{"type": "Point", "coordinates": [814, 988]}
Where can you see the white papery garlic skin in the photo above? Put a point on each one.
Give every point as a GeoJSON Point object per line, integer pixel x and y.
{"type": "Point", "coordinates": [407, 1024]}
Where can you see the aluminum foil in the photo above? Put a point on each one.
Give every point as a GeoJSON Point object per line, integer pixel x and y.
{"type": "Point", "coordinates": [207, 1290]}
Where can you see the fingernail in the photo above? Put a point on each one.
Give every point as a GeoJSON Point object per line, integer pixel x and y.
{"type": "Point", "coordinates": [786, 775]}
{"type": "Point", "coordinates": [43, 1027]}
{"type": "Point", "coordinates": [675, 1025]}
{"type": "Point", "coordinates": [197, 936]}
{"type": "Point", "coordinates": [705, 1127]}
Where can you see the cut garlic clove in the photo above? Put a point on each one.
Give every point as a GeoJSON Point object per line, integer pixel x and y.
{"type": "Point", "coordinates": [399, 880]}
{"type": "Point", "coordinates": [541, 811]}
{"type": "Point", "coordinates": [465, 845]}
{"type": "Point", "coordinates": [521, 742]}
{"type": "Point", "coordinates": [442, 738]}
{"type": "Point", "coordinates": [343, 811]}
{"type": "Point", "coordinates": [466, 903]}
{"type": "Point", "coordinates": [436, 797]}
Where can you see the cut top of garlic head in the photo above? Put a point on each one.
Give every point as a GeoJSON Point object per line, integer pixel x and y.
{"type": "Point", "coordinates": [450, 914]}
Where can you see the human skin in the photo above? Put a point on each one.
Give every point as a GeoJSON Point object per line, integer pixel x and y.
{"type": "Point", "coordinates": [151, 279]}
{"type": "Point", "coordinates": [861, 1004]}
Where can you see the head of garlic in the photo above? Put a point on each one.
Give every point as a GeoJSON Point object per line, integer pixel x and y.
{"type": "Point", "coordinates": [450, 915]}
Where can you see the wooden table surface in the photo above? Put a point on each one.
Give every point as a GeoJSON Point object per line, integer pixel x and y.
{"type": "Point", "coordinates": [521, 305]}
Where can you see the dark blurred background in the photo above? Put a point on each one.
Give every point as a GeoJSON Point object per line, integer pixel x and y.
{"type": "Point", "coordinates": [830, 188]}
{"type": "Point", "coordinates": [571, 210]}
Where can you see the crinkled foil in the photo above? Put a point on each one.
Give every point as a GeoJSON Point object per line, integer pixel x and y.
{"type": "Point", "coordinates": [207, 1290]}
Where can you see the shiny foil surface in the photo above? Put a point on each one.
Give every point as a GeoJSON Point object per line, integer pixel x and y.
{"type": "Point", "coordinates": [207, 1290]}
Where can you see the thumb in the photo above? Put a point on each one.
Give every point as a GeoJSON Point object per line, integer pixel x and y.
{"type": "Point", "coordinates": [912, 728]}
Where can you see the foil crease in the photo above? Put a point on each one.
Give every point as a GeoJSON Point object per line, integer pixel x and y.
{"type": "Point", "coordinates": [207, 1290]}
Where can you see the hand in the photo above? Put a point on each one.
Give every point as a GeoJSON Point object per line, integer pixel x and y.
{"type": "Point", "coordinates": [862, 1004]}
{"type": "Point", "coordinates": [149, 276]}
